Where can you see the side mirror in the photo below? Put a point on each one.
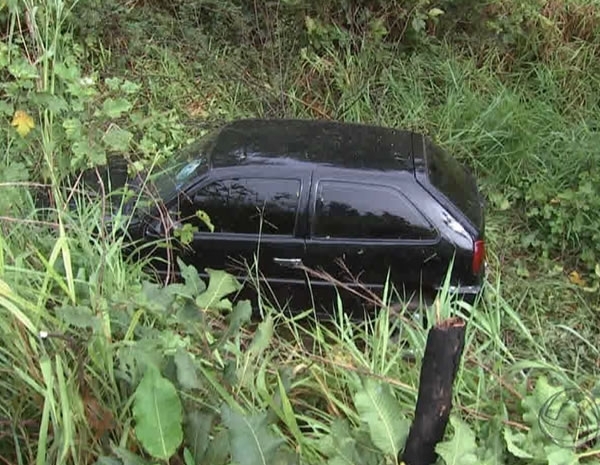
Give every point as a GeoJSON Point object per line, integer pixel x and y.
{"type": "Point", "coordinates": [153, 229]}
{"type": "Point", "coordinates": [156, 228]}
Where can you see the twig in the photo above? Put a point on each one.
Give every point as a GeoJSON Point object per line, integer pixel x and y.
{"type": "Point", "coordinates": [500, 380]}
{"type": "Point", "coordinates": [485, 416]}
{"type": "Point", "coordinates": [10, 219]}
{"type": "Point", "coordinates": [23, 184]}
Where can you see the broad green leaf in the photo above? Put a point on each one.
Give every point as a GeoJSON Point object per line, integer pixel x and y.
{"type": "Point", "coordinates": [54, 103]}
{"type": "Point", "coordinates": [14, 172]}
{"type": "Point", "coordinates": [156, 296]}
{"type": "Point", "coordinates": [72, 127]}
{"type": "Point", "coordinates": [366, 451]}
{"type": "Point", "coordinates": [117, 139]}
{"type": "Point", "coordinates": [128, 457]}
{"type": "Point", "coordinates": [252, 442]}
{"type": "Point", "coordinates": [172, 341]}
{"type": "Point", "coordinates": [288, 416]}
{"type": "Point", "coordinates": [21, 68]}
{"type": "Point", "coordinates": [418, 24]}
{"type": "Point", "coordinates": [191, 277]}
{"type": "Point", "coordinates": [67, 71]}
{"type": "Point", "coordinates": [6, 108]}
{"type": "Point", "coordinates": [87, 153]}
{"type": "Point", "coordinates": [197, 430]}
{"type": "Point", "coordinates": [186, 370]}
{"type": "Point", "coordinates": [380, 410]}
{"type": "Point", "coordinates": [343, 459]}
{"type": "Point", "coordinates": [79, 316]}
{"type": "Point", "coordinates": [217, 452]}
{"type": "Point", "coordinates": [492, 447]}
{"type": "Point", "coordinates": [220, 285]}
{"type": "Point", "coordinates": [230, 373]}
{"type": "Point", "coordinates": [339, 446]}
{"type": "Point", "coordinates": [242, 313]}
{"type": "Point", "coordinates": [188, 312]}
{"type": "Point", "coordinates": [104, 460]}
{"type": "Point", "coordinates": [462, 448]}
{"type": "Point", "coordinates": [560, 456]}
{"type": "Point", "coordinates": [130, 87]}
{"type": "Point", "coordinates": [188, 458]}
{"type": "Point", "coordinates": [113, 83]}
{"type": "Point", "coordinates": [286, 456]}
{"type": "Point", "coordinates": [146, 351]}
{"type": "Point", "coordinates": [158, 415]}
{"type": "Point", "coordinates": [262, 337]}
{"type": "Point", "coordinates": [114, 108]}
{"type": "Point", "coordinates": [515, 443]}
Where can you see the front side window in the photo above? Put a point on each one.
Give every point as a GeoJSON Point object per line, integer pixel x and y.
{"type": "Point", "coordinates": [363, 211]}
{"type": "Point", "coordinates": [247, 206]}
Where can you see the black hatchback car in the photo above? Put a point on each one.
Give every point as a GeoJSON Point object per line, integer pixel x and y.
{"type": "Point", "coordinates": [358, 203]}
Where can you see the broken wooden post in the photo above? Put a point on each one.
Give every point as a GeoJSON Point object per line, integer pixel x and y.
{"type": "Point", "coordinates": [443, 352]}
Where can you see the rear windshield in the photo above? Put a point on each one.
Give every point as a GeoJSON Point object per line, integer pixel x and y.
{"type": "Point", "coordinates": [449, 177]}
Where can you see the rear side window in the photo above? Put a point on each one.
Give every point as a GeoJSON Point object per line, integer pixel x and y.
{"type": "Point", "coordinates": [364, 211]}
{"type": "Point", "coordinates": [449, 177]}
{"type": "Point", "coordinates": [249, 206]}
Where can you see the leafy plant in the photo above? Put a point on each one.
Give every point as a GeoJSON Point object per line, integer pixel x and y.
{"type": "Point", "coordinates": [158, 415]}
{"type": "Point", "coordinates": [95, 354]}
{"type": "Point", "coordinates": [251, 440]}
{"type": "Point", "coordinates": [379, 409]}
{"type": "Point", "coordinates": [565, 221]}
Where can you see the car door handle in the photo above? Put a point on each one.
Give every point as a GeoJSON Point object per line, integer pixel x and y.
{"type": "Point", "coordinates": [289, 262]}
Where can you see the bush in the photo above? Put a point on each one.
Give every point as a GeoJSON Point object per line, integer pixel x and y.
{"type": "Point", "coordinates": [89, 345]}
{"type": "Point", "coordinates": [566, 221]}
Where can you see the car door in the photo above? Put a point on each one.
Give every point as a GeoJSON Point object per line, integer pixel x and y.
{"type": "Point", "coordinates": [257, 231]}
{"type": "Point", "coordinates": [360, 231]}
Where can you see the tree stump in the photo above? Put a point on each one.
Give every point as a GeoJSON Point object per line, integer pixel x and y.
{"type": "Point", "coordinates": [443, 352]}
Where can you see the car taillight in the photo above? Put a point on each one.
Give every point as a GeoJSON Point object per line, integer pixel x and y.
{"type": "Point", "coordinates": [478, 257]}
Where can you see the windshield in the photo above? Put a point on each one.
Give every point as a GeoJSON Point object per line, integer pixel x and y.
{"type": "Point", "coordinates": [181, 168]}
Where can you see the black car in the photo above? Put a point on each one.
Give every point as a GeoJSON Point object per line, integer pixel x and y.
{"type": "Point", "coordinates": [308, 201]}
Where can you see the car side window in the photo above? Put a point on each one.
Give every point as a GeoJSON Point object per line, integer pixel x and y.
{"type": "Point", "coordinates": [212, 199]}
{"type": "Point", "coordinates": [367, 211]}
{"type": "Point", "coordinates": [240, 205]}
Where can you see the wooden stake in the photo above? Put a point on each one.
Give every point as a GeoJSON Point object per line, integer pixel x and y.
{"type": "Point", "coordinates": [443, 351]}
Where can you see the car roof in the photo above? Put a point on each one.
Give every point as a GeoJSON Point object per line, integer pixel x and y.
{"type": "Point", "coordinates": [298, 142]}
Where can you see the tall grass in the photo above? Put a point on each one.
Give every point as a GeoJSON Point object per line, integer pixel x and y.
{"type": "Point", "coordinates": [79, 322]}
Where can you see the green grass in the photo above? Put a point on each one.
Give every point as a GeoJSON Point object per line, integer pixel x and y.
{"type": "Point", "coordinates": [81, 326]}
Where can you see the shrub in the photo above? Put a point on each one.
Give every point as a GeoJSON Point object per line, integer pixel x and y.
{"type": "Point", "coordinates": [566, 221]}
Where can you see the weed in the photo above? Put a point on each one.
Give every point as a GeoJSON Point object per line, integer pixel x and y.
{"type": "Point", "coordinates": [90, 343]}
